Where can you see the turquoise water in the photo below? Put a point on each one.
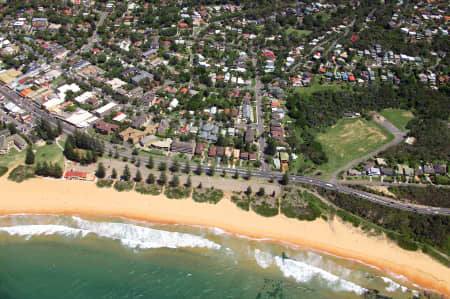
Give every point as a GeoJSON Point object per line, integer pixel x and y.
{"type": "Point", "coordinates": [72, 257]}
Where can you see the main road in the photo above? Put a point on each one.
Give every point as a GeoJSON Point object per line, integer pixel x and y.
{"type": "Point", "coordinates": [263, 174]}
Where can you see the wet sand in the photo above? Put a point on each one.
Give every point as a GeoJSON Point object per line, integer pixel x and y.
{"type": "Point", "coordinates": [46, 196]}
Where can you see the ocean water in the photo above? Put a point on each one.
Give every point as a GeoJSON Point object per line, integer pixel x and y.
{"type": "Point", "coordinates": [44, 256]}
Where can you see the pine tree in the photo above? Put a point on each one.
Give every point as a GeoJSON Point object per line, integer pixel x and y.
{"type": "Point", "coordinates": [199, 169]}
{"type": "Point", "coordinates": [175, 181]}
{"type": "Point", "coordinates": [29, 159]}
{"type": "Point", "coordinates": [138, 163]}
{"type": "Point", "coordinates": [175, 166]}
{"type": "Point", "coordinates": [212, 170]}
{"type": "Point", "coordinates": [126, 175]}
{"type": "Point", "coordinates": [162, 166]}
{"type": "Point", "coordinates": [249, 191]}
{"type": "Point", "coordinates": [150, 178]}
{"type": "Point", "coordinates": [114, 173]}
{"type": "Point", "coordinates": [236, 175]}
{"type": "Point", "coordinates": [138, 176]}
{"type": "Point", "coordinates": [163, 178]}
{"type": "Point", "coordinates": [100, 173]}
{"type": "Point", "coordinates": [224, 173]}
{"type": "Point", "coordinates": [285, 179]}
{"type": "Point", "coordinates": [248, 176]}
{"type": "Point", "coordinates": [261, 191]}
{"type": "Point", "coordinates": [188, 182]}
{"type": "Point", "coordinates": [187, 168]}
{"type": "Point", "coordinates": [150, 164]}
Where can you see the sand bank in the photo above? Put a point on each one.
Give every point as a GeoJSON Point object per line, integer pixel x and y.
{"type": "Point", "coordinates": [43, 196]}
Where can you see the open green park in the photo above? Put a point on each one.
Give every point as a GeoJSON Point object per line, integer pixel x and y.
{"type": "Point", "coordinates": [398, 117]}
{"type": "Point", "coordinates": [348, 140]}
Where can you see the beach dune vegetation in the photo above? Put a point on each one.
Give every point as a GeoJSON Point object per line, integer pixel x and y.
{"type": "Point", "coordinates": [124, 186]}
{"type": "Point", "coordinates": [3, 170]}
{"type": "Point", "coordinates": [148, 189]}
{"type": "Point", "coordinates": [207, 195]}
{"type": "Point", "coordinates": [21, 173]}
{"type": "Point", "coordinates": [105, 183]}
{"type": "Point", "coordinates": [177, 192]}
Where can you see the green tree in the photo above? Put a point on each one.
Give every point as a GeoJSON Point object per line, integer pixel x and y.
{"type": "Point", "coordinates": [150, 164]}
{"type": "Point", "coordinates": [236, 175]}
{"type": "Point", "coordinates": [248, 175]}
{"type": "Point", "coordinates": [29, 158]}
{"type": "Point", "coordinates": [261, 191]}
{"type": "Point", "coordinates": [163, 178]}
{"type": "Point", "coordinates": [150, 178]}
{"type": "Point", "coordinates": [114, 173]}
{"type": "Point", "coordinates": [224, 173]}
{"type": "Point", "coordinates": [138, 176]}
{"type": "Point", "coordinates": [212, 170]}
{"type": "Point", "coordinates": [175, 166]}
{"type": "Point", "coordinates": [199, 169]}
{"type": "Point", "coordinates": [285, 179]}
{"type": "Point", "coordinates": [188, 182]}
{"type": "Point", "coordinates": [175, 181]}
{"type": "Point", "coordinates": [187, 168]}
{"type": "Point", "coordinates": [126, 175]}
{"type": "Point", "coordinates": [249, 191]}
{"type": "Point", "coordinates": [162, 166]}
{"type": "Point", "coordinates": [100, 173]}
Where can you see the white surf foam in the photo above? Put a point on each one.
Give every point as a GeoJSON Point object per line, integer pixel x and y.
{"type": "Point", "coordinates": [132, 236]}
{"type": "Point", "coordinates": [303, 272]}
{"type": "Point", "coordinates": [263, 259]}
{"type": "Point", "coordinates": [135, 236]}
{"type": "Point", "coordinates": [393, 286]}
{"type": "Point", "coordinates": [28, 231]}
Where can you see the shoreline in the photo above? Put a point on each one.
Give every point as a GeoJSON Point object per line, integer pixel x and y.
{"type": "Point", "coordinates": [332, 237]}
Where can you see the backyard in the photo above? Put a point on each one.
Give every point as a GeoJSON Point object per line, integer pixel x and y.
{"type": "Point", "coordinates": [350, 139]}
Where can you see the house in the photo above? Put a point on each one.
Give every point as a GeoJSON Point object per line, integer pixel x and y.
{"type": "Point", "coordinates": [429, 169]}
{"type": "Point", "coordinates": [104, 110]}
{"type": "Point", "coordinates": [163, 127]}
{"type": "Point", "coordinates": [212, 151]}
{"type": "Point", "coordinates": [220, 151]}
{"type": "Point", "coordinates": [387, 171]}
{"type": "Point", "coordinates": [408, 171]}
{"type": "Point", "coordinates": [249, 135]}
{"type": "Point", "coordinates": [131, 135]}
{"type": "Point", "coordinates": [236, 153]}
{"type": "Point", "coordinates": [243, 156]}
{"type": "Point", "coordinates": [253, 156]}
{"type": "Point", "coordinates": [182, 147]}
{"type": "Point", "coordinates": [40, 23]}
{"type": "Point", "coordinates": [440, 169]}
{"type": "Point", "coordinates": [104, 127]}
{"type": "Point", "coordinates": [200, 148]}
{"type": "Point", "coordinates": [284, 157]}
{"type": "Point", "coordinates": [8, 142]}
{"type": "Point", "coordinates": [353, 172]}
{"type": "Point", "coordinates": [155, 43]}
{"type": "Point", "coordinates": [76, 175]}
{"type": "Point", "coordinates": [374, 171]}
{"type": "Point", "coordinates": [140, 121]}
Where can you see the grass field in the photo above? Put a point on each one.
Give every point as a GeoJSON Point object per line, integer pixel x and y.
{"type": "Point", "coordinates": [350, 139]}
{"type": "Point", "coordinates": [13, 158]}
{"type": "Point", "coordinates": [50, 153]}
{"type": "Point", "coordinates": [398, 117]}
{"type": "Point", "coordinates": [297, 32]}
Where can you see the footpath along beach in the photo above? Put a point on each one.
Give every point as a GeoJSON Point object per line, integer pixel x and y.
{"type": "Point", "coordinates": [43, 196]}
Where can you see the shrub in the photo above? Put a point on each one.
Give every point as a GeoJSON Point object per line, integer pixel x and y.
{"type": "Point", "coordinates": [3, 170]}
{"type": "Point", "coordinates": [177, 192]}
{"type": "Point", "coordinates": [124, 186]}
{"type": "Point", "coordinates": [150, 189]}
{"type": "Point", "coordinates": [209, 196]}
{"type": "Point", "coordinates": [105, 183]}
{"type": "Point", "coordinates": [21, 173]}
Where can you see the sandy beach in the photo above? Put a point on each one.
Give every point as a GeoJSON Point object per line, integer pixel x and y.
{"type": "Point", "coordinates": [44, 196]}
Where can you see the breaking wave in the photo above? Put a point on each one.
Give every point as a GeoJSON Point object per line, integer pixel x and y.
{"type": "Point", "coordinates": [129, 235]}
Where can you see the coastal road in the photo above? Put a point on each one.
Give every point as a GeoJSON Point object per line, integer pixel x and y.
{"type": "Point", "coordinates": [399, 136]}
{"type": "Point", "coordinates": [242, 172]}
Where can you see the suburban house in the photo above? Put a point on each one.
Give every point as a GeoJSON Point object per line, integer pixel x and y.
{"type": "Point", "coordinates": [131, 135]}
{"type": "Point", "coordinates": [104, 127]}
{"type": "Point", "coordinates": [8, 142]}
{"type": "Point", "coordinates": [182, 147]}
{"type": "Point", "coordinates": [140, 121]}
{"type": "Point", "coordinates": [200, 148]}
